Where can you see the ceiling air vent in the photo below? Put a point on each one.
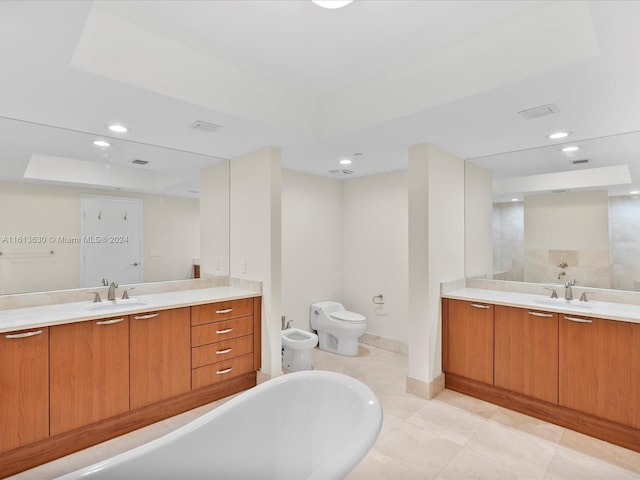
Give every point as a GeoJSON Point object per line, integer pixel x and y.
{"type": "Point", "coordinates": [201, 126]}
{"type": "Point", "coordinates": [341, 171]}
{"type": "Point", "coordinates": [580, 162]}
{"type": "Point", "coordinates": [536, 112]}
{"type": "Point", "coordinates": [137, 161]}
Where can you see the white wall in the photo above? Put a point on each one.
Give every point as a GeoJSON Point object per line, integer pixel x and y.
{"type": "Point", "coordinates": [312, 233]}
{"type": "Point", "coordinates": [567, 221]}
{"type": "Point", "coordinates": [346, 241]}
{"type": "Point", "coordinates": [171, 227]}
{"type": "Point", "coordinates": [255, 240]}
{"type": "Point", "coordinates": [375, 250]}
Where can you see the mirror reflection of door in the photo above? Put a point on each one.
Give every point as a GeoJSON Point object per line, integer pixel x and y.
{"type": "Point", "coordinates": [111, 240]}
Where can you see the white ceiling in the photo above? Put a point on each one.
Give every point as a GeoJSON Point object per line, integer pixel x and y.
{"type": "Point", "coordinates": [374, 77]}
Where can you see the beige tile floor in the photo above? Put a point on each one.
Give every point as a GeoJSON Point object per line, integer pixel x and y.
{"type": "Point", "coordinates": [453, 437]}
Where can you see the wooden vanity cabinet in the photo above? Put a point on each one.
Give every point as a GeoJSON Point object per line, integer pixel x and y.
{"type": "Point", "coordinates": [468, 340]}
{"type": "Point", "coordinates": [223, 341]}
{"type": "Point", "coordinates": [160, 355]}
{"type": "Point", "coordinates": [89, 372]}
{"type": "Point", "coordinates": [526, 352]}
{"type": "Point", "coordinates": [600, 368]}
{"type": "Point", "coordinates": [24, 387]}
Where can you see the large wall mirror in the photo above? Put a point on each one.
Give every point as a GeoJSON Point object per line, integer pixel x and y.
{"type": "Point", "coordinates": [47, 172]}
{"type": "Point", "coordinates": [562, 215]}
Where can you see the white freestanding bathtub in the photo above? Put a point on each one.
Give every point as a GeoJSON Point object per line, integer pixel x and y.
{"type": "Point", "coordinates": [304, 425]}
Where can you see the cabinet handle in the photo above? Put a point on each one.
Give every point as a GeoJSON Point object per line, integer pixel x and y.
{"type": "Point", "coordinates": [226, 330]}
{"type": "Point", "coordinates": [478, 305]}
{"type": "Point", "coordinates": [146, 317]}
{"type": "Point", "coordinates": [578, 320]}
{"type": "Point", "coordinates": [24, 335]}
{"type": "Point", "coordinates": [226, 310]}
{"type": "Point", "coordinates": [109, 322]}
{"type": "Point", "coordinates": [222, 352]}
{"type": "Point", "coordinates": [222, 372]}
{"type": "Point", "coordinates": [540, 314]}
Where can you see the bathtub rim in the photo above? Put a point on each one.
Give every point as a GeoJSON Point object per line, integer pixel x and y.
{"type": "Point", "coordinates": [369, 427]}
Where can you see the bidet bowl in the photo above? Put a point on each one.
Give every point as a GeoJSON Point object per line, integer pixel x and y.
{"type": "Point", "coordinates": [297, 339]}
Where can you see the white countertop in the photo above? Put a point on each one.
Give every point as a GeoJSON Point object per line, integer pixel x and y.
{"type": "Point", "coordinates": [611, 311]}
{"type": "Point", "coordinates": [48, 315]}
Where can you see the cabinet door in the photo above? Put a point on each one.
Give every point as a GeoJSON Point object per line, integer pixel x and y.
{"type": "Point", "coordinates": [24, 387]}
{"type": "Point", "coordinates": [600, 368]}
{"type": "Point", "coordinates": [89, 372]}
{"type": "Point", "coordinates": [469, 340]}
{"type": "Point", "coordinates": [160, 355]}
{"type": "Point", "coordinates": [526, 352]}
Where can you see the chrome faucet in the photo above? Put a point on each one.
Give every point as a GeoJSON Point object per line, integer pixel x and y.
{"type": "Point", "coordinates": [285, 325]}
{"type": "Point", "coordinates": [111, 295]}
{"type": "Point", "coordinates": [568, 293]}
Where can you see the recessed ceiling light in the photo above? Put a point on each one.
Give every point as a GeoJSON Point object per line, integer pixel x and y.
{"type": "Point", "coordinates": [101, 143]}
{"type": "Point", "coordinates": [558, 135]}
{"type": "Point", "coordinates": [332, 4]}
{"type": "Point", "coordinates": [114, 127]}
{"type": "Point", "coordinates": [345, 161]}
{"type": "Point", "coordinates": [572, 148]}
{"type": "Point", "coordinates": [634, 192]}
{"type": "Point", "coordinates": [514, 199]}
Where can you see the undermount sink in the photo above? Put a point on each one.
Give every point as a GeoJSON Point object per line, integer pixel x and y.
{"type": "Point", "coordinates": [561, 302]}
{"type": "Point", "coordinates": [117, 304]}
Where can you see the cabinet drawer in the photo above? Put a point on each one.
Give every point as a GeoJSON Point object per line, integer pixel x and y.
{"type": "Point", "coordinates": [219, 351]}
{"type": "Point", "coordinates": [218, 331]}
{"type": "Point", "coordinates": [221, 371]}
{"type": "Point", "coordinates": [215, 312]}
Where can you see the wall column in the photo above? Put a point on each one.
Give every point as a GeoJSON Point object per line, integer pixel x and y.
{"type": "Point", "coordinates": [436, 254]}
{"type": "Point", "coordinates": [255, 240]}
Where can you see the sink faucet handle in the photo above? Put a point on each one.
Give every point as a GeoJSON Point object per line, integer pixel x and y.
{"type": "Point", "coordinates": [96, 297]}
{"type": "Point", "coordinates": [583, 297]}
{"type": "Point", "coordinates": [554, 294]}
{"type": "Point", "coordinates": [125, 293]}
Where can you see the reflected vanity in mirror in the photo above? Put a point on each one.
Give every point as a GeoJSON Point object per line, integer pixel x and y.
{"type": "Point", "coordinates": [560, 216]}
{"type": "Point", "coordinates": [47, 172]}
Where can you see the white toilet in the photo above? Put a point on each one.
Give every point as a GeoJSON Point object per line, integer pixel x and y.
{"type": "Point", "coordinates": [338, 329]}
{"type": "Point", "coordinates": [296, 349]}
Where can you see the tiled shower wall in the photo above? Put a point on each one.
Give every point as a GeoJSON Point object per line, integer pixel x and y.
{"type": "Point", "coordinates": [624, 238]}
{"type": "Point", "coordinates": [508, 241]}
{"type": "Point", "coordinates": [618, 269]}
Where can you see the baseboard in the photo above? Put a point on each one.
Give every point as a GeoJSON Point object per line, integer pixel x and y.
{"type": "Point", "coordinates": [426, 390]}
{"type": "Point", "coordinates": [395, 346]}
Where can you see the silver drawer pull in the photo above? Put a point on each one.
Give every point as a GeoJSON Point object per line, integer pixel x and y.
{"type": "Point", "coordinates": [578, 320]}
{"type": "Point", "coordinates": [539, 314]}
{"type": "Point", "coordinates": [146, 317]}
{"type": "Point", "coordinates": [226, 330]}
{"type": "Point", "coordinates": [24, 335]}
{"type": "Point", "coordinates": [222, 352]}
{"type": "Point", "coordinates": [478, 305]}
{"type": "Point", "coordinates": [109, 322]}
{"type": "Point", "coordinates": [226, 310]}
{"type": "Point", "coordinates": [222, 372]}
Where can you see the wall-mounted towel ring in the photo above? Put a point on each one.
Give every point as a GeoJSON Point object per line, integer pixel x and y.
{"type": "Point", "coordinates": [378, 299]}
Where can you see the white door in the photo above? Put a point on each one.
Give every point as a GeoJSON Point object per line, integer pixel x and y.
{"type": "Point", "coordinates": [111, 240]}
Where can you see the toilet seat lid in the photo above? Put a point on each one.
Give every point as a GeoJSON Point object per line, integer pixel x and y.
{"type": "Point", "coordinates": [346, 316]}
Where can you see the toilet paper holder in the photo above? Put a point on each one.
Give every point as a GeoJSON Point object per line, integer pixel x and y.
{"type": "Point", "coordinates": [378, 299]}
